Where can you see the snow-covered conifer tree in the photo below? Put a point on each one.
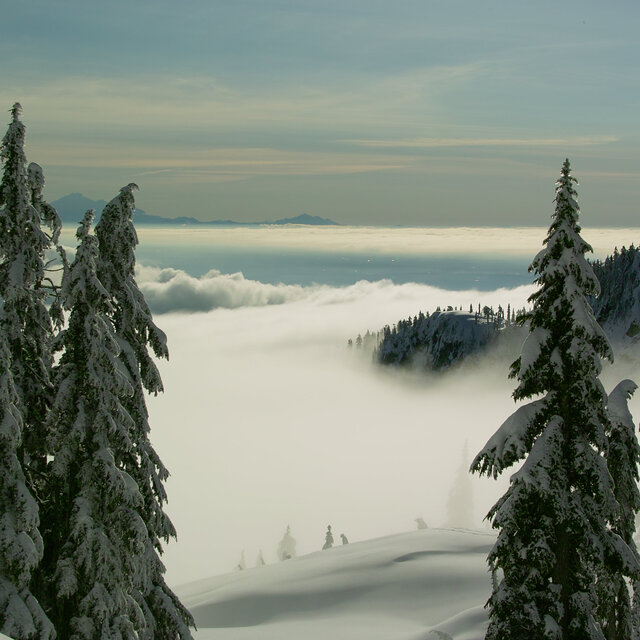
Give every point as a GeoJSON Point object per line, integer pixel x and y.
{"type": "Point", "coordinates": [167, 618]}
{"type": "Point", "coordinates": [635, 611]}
{"type": "Point", "coordinates": [554, 520]}
{"type": "Point", "coordinates": [25, 319]}
{"type": "Point", "coordinates": [25, 392]}
{"type": "Point", "coordinates": [287, 546]}
{"type": "Point", "coordinates": [328, 539]}
{"type": "Point", "coordinates": [21, 616]}
{"type": "Point", "coordinates": [96, 534]}
{"type": "Point", "coordinates": [623, 457]}
{"type": "Point", "coordinates": [421, 524]}
{"type": "Point", "coordinates": [48, 214]}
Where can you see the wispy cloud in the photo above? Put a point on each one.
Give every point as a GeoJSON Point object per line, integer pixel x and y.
{"type": "Point", "coordinates": [213, 163]}
{"type": "Point", "coordinates": [428, 143]}
{"type": "Point", "coordinates": [168, 100]}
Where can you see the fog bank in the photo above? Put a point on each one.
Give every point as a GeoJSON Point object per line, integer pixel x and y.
{"type": "Point", "coordinates": [268, 420]}
{"type": "Point", "coordinates": [478, 241]}
{"type": "Point", "coordinates": [169, 289]}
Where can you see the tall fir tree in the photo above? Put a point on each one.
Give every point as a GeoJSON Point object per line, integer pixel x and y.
{"type": "Point", "coordinates": [26, 319]}
{"type": "Point", "coordinates": [21, 616]}
{"type": "Point", "coordinates": [618, 615]}
{"type": "Point", "coordinates": [27, 333]}
{"type": "Point", "coordinates": [167, 618]}
{"type": "Point", "coordinates": [96, 533]}
{"type": "Point", "coordinates": [554, 520]}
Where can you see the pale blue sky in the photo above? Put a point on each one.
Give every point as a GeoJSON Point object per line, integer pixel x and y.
{"type": "Point", "coordinates": [365, 111]}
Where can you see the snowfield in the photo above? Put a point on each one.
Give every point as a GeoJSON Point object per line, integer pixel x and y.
{"type": "Point", "coordinates": [424, 585]}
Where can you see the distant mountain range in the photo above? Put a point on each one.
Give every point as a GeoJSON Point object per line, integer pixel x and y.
{"type": "Point", "coordinates": [72, 207]}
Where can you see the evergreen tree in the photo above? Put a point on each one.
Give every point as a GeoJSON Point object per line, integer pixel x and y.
{"type": "Point", "coordinates": [635, 611]}
{"type": "Point", "coordinates": [287, 546]}
{"type": "Point", "coordinates": [554, 520]}
{"type": "Point", "coordinates": [623, 456]}
{"type": "Point", "coordinates": [25, 319]}
{"type": "Point", "coordinates": [421, 524]}
{"type": "Point", "coordinates": [167, 618]}
{"type": "Point", "coordinates": [21, 616]}
{"type": "Point", "coordinates": [328, 539]}
{"type": "Point", "coordinates": [25, 389]}
{"type": "Point", "coordinates": [96, 532]}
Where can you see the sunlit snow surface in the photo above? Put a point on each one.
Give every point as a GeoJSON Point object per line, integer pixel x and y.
{"type": "Point", "coordinates": [412, 586]}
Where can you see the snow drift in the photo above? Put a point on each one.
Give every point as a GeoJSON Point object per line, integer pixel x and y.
{"type": "Point", "coordinates": [423, 585]}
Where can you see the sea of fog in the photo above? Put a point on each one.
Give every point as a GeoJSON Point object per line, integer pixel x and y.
{"type": "Point", "coordinates": [451, 258]}
{"type": "Point", "coordinates": [268, 420]}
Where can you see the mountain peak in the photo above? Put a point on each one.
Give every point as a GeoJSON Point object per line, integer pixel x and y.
{"type": "Point", "coordinates": [72, 207]}
{"type": "Point", "coordinates": [305, 218]}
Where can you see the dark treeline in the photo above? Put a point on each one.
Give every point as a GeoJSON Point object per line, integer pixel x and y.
{"type": "Point", "coordinates": [617, 308]}
{"type": "Point", "coordinates": [438, 339]}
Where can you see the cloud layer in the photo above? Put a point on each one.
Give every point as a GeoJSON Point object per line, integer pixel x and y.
{"type": "Point", "coordinates": [499, 242]}
{"type": "Point", "coordinates": [172, 290]}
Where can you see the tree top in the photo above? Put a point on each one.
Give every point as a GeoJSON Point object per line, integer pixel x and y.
{"type": "Point", "coordinates": [15, 111]}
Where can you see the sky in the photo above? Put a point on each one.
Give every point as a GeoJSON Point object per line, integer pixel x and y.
{"type": "Point", "coordinates": [371, 112]}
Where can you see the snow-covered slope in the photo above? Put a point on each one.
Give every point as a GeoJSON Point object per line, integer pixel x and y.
{"type": "Point", "coordinates": [421, 585]}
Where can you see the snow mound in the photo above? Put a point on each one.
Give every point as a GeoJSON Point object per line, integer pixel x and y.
{"type": "Point", "coordinates": [424, 585]}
